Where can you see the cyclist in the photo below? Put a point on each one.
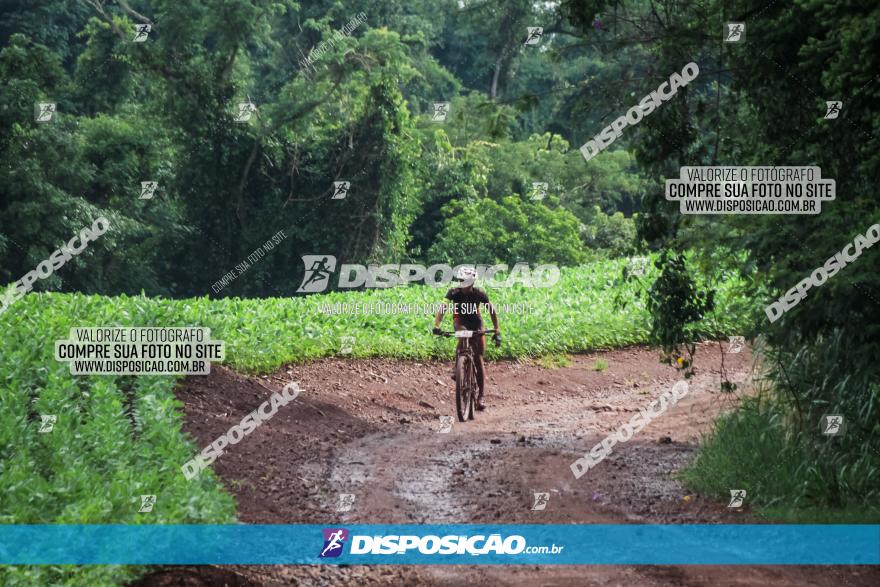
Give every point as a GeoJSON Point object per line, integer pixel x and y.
{"type": "Point", "coordinates": [466, 301]}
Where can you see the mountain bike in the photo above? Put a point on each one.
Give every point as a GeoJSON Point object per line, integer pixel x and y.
{"type": "Point", "coordinates": [466, 388]}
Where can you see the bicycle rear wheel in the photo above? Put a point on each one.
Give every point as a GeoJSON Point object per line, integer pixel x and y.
{"type": "Point", "coordinates": [464, 399]}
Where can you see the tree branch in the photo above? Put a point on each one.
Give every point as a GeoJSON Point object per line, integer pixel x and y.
{"type": "Point", "coordinates": [137, 15]}
{"type": "Point", "coordinates": [98, 5]}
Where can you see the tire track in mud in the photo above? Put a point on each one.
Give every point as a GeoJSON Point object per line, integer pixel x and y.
{"type": "Point", "coordinates": [369, 428]}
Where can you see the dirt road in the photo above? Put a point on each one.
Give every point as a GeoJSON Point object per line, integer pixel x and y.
{"type": "Point", "coordinates": [370, 428]}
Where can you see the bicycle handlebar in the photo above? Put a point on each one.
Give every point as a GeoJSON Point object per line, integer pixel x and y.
{"type": "Point", "coordinates": [484, 331]}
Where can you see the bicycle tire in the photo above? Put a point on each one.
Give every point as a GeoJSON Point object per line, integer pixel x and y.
{"type": "Point", "coordinates": [463, 395]}
{"type": "Point", "coordinates": [472, 385]}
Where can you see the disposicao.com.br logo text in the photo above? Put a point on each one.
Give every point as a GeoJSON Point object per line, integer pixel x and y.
{"type": "Point", "coordinates": [476, 545]}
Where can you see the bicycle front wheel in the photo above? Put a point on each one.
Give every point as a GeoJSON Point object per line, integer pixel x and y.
{"type": "Point", "coordinates": [464, 400]}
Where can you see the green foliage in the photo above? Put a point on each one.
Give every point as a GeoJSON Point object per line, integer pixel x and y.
{"type": "Point", "coordinates": [445, 175]}
{"type": "Point", "coordinates": [103, 77]}
{"type": "Point", "coordinates": [120, 437]}
{"type": "Point", "coordinates": [610, 181]}
{"type": "Point", "coordinates": [510, 231]}
{"type": "Point", "coordinates": [116, 438]}
{"type": "Point", "coordinates": [600, 365]}
{"type": "Point", "coordinates": [763, 103]}
{"type": "Point", "coordinates": [476, 117]}
{"type": "Point", "coordinates": [677, 306]}
{"type": "Point", "coordinates": [504, 168]}
{"type": "Point", "coordinates": [53, 23]}
{"type": "Point", "coordinates": [483, 40]}
{"type": "Point", "coordinates": [162, 111]}
{"type": "Point", "coordinates": [577, 314]}
{"type": "Point", "coordinates": [808, 478]}
{"type": "Point", "coordinates": [832, 375]}
{"type": "Point", "coordinates": [613, 233]}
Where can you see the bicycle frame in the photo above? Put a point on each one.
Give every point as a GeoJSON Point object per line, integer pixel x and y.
{"type": "Point", "coordinates": [465, 386]}
{"type": "Point", "coordinates": [464, 346]}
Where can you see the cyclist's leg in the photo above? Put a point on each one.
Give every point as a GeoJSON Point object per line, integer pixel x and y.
{"type": "Point", "coordinates": [457, 348]}
{"type": "Point", "coordinates": [479, 345]}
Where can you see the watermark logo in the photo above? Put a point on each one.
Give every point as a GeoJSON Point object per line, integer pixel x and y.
{"type": "Point", "coordinates": [539, 190]}
{"type": "Point", "coordinates": [245, 264]}
{"type": "Point", "coordinates": [832, 109]}
{"type": "Point", "coordinates": [291, 390]}
{"type": "Point", "coordinates": [334, 541]}
{"type": "Point", "coordinates": [346, 345]}
{"type": "Point", "coordinates": [445, 425]}
{"type": "Point", "coordinates": [340, 189]}
{"type": "Point", "coordinates": [753, 189]}
{"type": "Point", "coordinates": [237, 433]}
{"type": "Point", "coordinates": [664, 92]}
{"type": "Point", "coordinates": [534, 34]}
{"type": "Point", "coordinates": [378, 308]}
{"type": "Point", "coordinates": [441, 111]}
{"type": "Point", "coordinates": [319, 268]}
{"type": "Point", "coordinates": [55, 261]}
{"type": "Point", "coordinates": [833, 425]}
{"type": "Point", "coordinates": [47, 423]}
{"type": "Point", "coordinates": [139, 350]}
{"type": "Point", "coordinates": [735, 344]}
{"type": "Point", "coordinates": [737, 497]}
{"type": "Point", "coordinates": [44, 111]}
{"type": "Point", "coordinates": [344, 502]}
{"type": "Point", "coordinates": [148, 189]}
{"type": "Point", "coordinates": [141, 32]}
{"type": "Point", "coordinates": [820, 275]}
{"type": "Point", "coordinates": [245, 111]}
{"type": "Point", "coordinates": [637, 266]}
{"type": "Point", "coordinates": [541, 501]}
{"type": "Point", "coordinates": [734, 32]}
{"type": "Point", "coordinates": [147, 503]}
{"type": "Point", "coordinates": [623, 434]}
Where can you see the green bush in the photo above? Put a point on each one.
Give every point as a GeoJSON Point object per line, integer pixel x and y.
{"type": "Point", "coordinates": [773, 445]}
{"type": "Point", "coordinates": [613, 233]}
{"type": "Point", "coordinates": [510, 231]}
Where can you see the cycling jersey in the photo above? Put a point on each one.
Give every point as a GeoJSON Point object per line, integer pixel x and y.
{"type": "Point", "coordinates": [466, 306]}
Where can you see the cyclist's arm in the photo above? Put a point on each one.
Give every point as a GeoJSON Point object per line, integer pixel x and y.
{"type": "Point", "coordinates": [443, 307]}
{"type": "Point", "coordinates": [438, 319]}
{"type": "Point", "coordinates": [494, 316]}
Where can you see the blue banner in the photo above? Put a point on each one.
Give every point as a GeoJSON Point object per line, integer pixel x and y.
{"type": "Point", "coordinates": [631, 544]}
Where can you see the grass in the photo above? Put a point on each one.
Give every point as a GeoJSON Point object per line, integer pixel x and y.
{"type": "Point", "coordinates": [553, 361]}
{"type": "Point", "coordinates": [600, 365]}
{"type": "Point", "coordinates": [784, 474]}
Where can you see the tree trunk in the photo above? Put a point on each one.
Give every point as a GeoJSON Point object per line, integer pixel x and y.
{"type": "Point", "coordinates": [493, 91]}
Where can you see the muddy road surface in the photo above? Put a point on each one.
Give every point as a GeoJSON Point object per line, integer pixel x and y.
{"type": "Point", "coordinates": [371, 428]}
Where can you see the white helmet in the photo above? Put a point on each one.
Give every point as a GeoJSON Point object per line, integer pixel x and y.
{"type": "Point", "coordinates": [466, 273]}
